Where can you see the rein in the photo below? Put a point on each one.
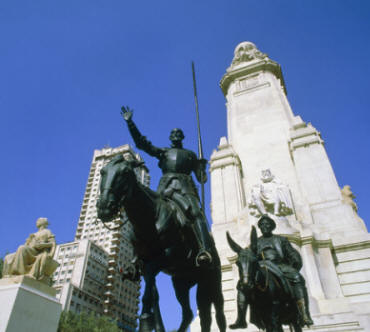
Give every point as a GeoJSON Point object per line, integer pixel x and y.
{"type": "Point", "coordinates": [123, 223]}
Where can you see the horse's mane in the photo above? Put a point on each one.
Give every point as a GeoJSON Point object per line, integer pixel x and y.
{"type": "Point", "coordinates": [151, 193]}
{"type": "Point", "coordinates": [116, 159]}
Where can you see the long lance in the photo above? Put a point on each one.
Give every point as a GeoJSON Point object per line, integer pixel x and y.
{"type": "Point", "coordinates": [200, 147]}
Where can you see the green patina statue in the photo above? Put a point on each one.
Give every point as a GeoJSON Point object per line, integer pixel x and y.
{"type": "Point", "coordinates": [270, 281]}
{"type": "Point", "coordinates": [177, 165]}
{"type": "Point", "coordinates": [169, 231]}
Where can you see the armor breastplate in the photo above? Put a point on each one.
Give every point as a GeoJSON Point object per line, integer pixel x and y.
{"type": "Point", "coordinates": [177, 161]}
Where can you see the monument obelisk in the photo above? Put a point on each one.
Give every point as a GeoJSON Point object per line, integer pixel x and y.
{"type": "Point", "coordinates": [274, 163]}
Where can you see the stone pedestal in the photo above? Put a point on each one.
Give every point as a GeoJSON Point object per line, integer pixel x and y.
{"type": "Point", "coordinates": [265, 138]}
{"type": "Point", "coordinates": [28, 305]}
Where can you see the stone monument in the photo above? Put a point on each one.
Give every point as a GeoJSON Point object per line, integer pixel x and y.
{"type": "Point", "coordinates": [27, 301]}
{"type": "Point", "coordinates": [298, 189]}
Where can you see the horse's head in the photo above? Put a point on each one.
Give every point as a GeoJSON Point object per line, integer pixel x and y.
{"type": "Point", "coordinates": [246, 263]}
{"type": "Point", "coordinates": [117, 180]}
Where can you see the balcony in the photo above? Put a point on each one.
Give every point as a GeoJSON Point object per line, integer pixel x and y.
{"type": "Point", "coordinates": [112, 262]}
{"type": "Point", "coordinates": [115, 241]}
{"type": "Point", "coordinates": [113, 255]}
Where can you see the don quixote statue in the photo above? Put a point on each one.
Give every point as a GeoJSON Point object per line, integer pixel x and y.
{"type": "Point", "coordinates": [169, 229]}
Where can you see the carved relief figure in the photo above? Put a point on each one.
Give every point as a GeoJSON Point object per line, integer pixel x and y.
{"type": "Point", "coordinates": [35, 257]}
{"type": "Point", "coordinates": [271, 196]}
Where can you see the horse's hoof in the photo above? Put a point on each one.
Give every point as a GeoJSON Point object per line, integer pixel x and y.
{"type": "Point", "coordinates": [186, 320]}
{"type": "Point", "coordinates": [238, 325]}
{"type": "Point", "coordinates": [146, 323]}
{"type": "Point", "coordinates": [308, 321]}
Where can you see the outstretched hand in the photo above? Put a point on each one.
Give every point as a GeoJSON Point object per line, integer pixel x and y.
{"type": "Point", "coordinates": [126, 112]}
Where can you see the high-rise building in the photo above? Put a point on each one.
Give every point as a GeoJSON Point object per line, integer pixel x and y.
{"type": "Point", "coordinates": [273, 162]}
{"type": "Point", "coordinates": [88, 277]}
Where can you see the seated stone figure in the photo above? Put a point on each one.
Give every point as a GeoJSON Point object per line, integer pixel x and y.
{"type": "Point", "coordinates": [271, 196]}
{"type": "Point", "coordinates": [35, 257]}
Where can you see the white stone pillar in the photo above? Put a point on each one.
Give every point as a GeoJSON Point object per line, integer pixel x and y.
{"type": "Point", "coordinates": [310, 269]}
{"type": "Point", "coordinates": [326, 267]}
{"type": "Point", "coordinates": [228, 197]}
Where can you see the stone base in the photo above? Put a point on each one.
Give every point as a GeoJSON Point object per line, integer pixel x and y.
{"type": "Point", "coordinates": [339, 322]}
{"type": "Point", "coordinates": [28, 305]}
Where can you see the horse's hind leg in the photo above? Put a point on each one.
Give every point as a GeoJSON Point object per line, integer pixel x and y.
{"type": "Point", "coordinates": [218, 302]}
{"type": "Point", "coordinates": [297, 327]}
{"type": "Point", "coordinates": [158, 322]}
{"type": "Point", "coordinates": [182, 288]}
{"type": "Point", "coordinates": [204, 303]}
{"type": "Point", "coordinates": [275, 317]}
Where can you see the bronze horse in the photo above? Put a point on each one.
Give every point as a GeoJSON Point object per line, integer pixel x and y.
{"type": "Point", "coordinates": [269, 304]}
{"type": "Point", "coordinates": [161, 243]}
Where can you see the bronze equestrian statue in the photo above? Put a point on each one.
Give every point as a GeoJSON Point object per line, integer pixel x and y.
{"type": "Point", "coordinates": [270, 282]}
{"type": "Point", "coordinates": [169, 230]}
{"type": "Point", "coordinates": [176, 183]}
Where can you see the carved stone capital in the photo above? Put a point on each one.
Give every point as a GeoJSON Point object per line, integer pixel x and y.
{"type": "Point", "coordinates": [248, 60]}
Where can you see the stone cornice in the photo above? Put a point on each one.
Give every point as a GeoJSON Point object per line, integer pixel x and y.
{"type": "Point", "coordinates": [353, 246]}
{"type": "Point", "coordinates": [303, 135]}
{"type": "Point", "coordinates": [224, 156]}
{"type": "Point", "coordinates": [264, 65]}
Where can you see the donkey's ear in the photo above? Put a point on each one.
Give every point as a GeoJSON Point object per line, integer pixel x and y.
{"type": "Point", "coordinates": [233, 245]}
{"type": "Point", "coordinates": [254, 238]}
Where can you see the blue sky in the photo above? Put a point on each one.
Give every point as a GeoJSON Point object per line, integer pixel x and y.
{"type": "Point", "coordinates": [66, 67]}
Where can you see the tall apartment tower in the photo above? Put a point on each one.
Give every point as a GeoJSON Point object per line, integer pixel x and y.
{"type": "Point", "coordinates": [89, 274]}
{"type": "Point", "coordinates": [273, 162]}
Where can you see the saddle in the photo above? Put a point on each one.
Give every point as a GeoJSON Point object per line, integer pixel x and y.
{"type": "Point", "coordinates": [281, 279]}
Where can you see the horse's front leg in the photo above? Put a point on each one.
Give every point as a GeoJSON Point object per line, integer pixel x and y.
{"type": "Point", "coordinates": [150, 298]}
{"type": "Point", "coordinates": [242, 306]}
{"type": "Point", "coordinates": [182, 289]}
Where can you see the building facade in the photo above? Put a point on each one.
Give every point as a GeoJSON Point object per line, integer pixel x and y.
{"type": "Point", "coordinates": [88, 277]}
{"type": "Point", "coordinates": [273, 162]}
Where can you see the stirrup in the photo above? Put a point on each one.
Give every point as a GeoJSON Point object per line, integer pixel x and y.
{"type": "Point", "coordinates": [207, 259]}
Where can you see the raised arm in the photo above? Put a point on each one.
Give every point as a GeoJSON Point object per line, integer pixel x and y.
{"type": "Point", "coordinates": [141, 141]}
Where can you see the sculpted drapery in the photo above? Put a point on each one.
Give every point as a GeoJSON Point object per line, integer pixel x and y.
{"type": "Point", "coordinates": [35, 257]}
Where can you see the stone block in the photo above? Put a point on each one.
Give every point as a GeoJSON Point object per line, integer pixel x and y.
{"type": "Point", "coordinates": [28, 305]}
{"type": "Point", "coordinates": [352, 266]}
{"type": "Point", "coordinates": [361, 288]}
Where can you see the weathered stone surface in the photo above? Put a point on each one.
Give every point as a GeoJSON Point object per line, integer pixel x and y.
{"type": "Point", "coordinates": [28, 305]}
{"type": "Point", "coordinates": [263, 133]}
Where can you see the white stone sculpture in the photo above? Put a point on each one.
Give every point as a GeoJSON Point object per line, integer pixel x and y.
{"type": "Point", "coordinates": [348, 197]}
{"type": "Point", "coordinates": [35, 257]}
{"type": "Point", "coordinates": [245, 52]}
{"type": "Point", "coordinates": [271, 196]}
